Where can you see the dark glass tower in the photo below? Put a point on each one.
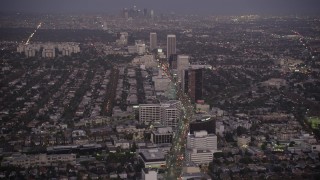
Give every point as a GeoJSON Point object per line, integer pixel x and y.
{"type": "Point", "coordinates": [193, 83]}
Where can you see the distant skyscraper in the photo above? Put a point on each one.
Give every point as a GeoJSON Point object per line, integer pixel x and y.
{"type": "Point", "coordinates": [145, 12]}
{"type": "Point", "coordinates": [171, 45]}
{"type": "Point", "coordinates": [152, 14]}
{"type": "Point", "coordinates": [153, 41]}
{"type": "Point", "coordinates": [125, 13]}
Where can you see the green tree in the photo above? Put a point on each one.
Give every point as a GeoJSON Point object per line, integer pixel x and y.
{"type": "Point", "coordinates": [292, 143]}
{"type": "Point", "coordinates": [241, 130]}
{"type": "Point", "coordinates": [264, 146]}
{"type": "Point", "coordinates": [134, 147]}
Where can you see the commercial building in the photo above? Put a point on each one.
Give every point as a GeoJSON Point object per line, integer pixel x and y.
{"type": "Point", "coordinates": [149, 113]}
{"type": "Point", "coordinates": [191, 170]}
{"type": "Point", "coordinates": [171, 45]}
{"type": "Point", "coordinates": [193, 83]}
{"type": "Point", "coordinates": [152, 158]}
{"type": "Point", "coordinates": [200, 147]}
{"type": "Point", "coordinates": [202, 107]}
{"type": "Point", "coordinates": [182, 65]}
{"type": "Point", "coordinates": [199, 156]}
{"type": "Point", "coordinates": [161, 82]}
{"type": "Point", "coordinates": [123, 40]}
{"type": "Point", "coordinates": [24, 160]}
{"type": "Point", "coordinates": [173, 61]}
{"type": "Point", "coordinates": [207, 125]}
{"type": "Point", "coordinates": [153, 41]}
{"type": "Point", "coordinates": [168, 113]}
{"type": "Point", "coordinates": [202, 140]}
{"type": "Point", "coordinates": [147, 60]}
{"type": "Point", "coordinates": [162, 135]}
{"type": "Point", "coordinates": [171, 113]}
{"type": "Point", "coordinates": [139, 48]}
{"type": "Point", "coordinates": [48, 50]}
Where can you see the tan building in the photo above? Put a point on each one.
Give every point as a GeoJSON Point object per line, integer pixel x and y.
{"type": "Point", "coordinates": [24, 160]}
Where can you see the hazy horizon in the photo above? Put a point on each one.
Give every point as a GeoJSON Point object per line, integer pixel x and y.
{"type": "Point", "coordinates": [218, 7]}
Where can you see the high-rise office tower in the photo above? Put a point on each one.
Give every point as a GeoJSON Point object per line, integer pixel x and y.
{"type": "Point", "coordinates": [125, 13]}
{"type": "Point", "coordinates": [171, 112]}
{"type": "Point", "coordinates": [202, 140]}
{"type": "Point", "coordinates": [173, 61]}
{"type": "Point", "coordinates": [149, 113]}
{"type": "Point", "coordinates": [201, 146]}
{"type": "Point", "coordinates": [171, 45]}
{"type": "Point", "coordinates": [145, 12]}
{"type": "Point", "coordinates": [153, 41]}
{"type": "Point", "coordinates": [168, 113]}
{"type": "Point", "coordinates": [182, 64]}
{"type": "Point", "coordinates": [193, 83]}
{"type": "Point", "coordinates": [152, 14]}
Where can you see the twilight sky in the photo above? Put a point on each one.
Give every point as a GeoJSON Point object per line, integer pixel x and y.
{"type": "Point", "coordinates": [225, 7]}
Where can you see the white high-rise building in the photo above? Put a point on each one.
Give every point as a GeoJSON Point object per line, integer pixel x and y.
{"type": "Point", "coordinates": [168, 114]}
{"type": "Point", "coordinates": [153, 41]}
{"type": "Point", "coordinates": [171, 45]}
{"type": "Point", "coordinates": [201, 146]}
{"type": "Point", "coordinates": [152, 14]}
{"type": "Point", "coordinates": [182, 64]}
{"type": "Point", "coordinates": [149, 113]}
{"type": "Point", "coordinates": [202, 140]}
{"type": "Point", "coordinates": [171, 113]}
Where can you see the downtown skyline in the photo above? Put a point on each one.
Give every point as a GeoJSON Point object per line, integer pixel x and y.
{"type": "Point", "coordinates": [203, 7]}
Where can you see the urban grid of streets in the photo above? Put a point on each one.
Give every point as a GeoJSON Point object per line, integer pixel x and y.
{"type": "Point", "coordinates": [248, 56]}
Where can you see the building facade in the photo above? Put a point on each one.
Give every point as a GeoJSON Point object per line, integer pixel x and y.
{"type": "Point", "coordinates": [202, 140]}
{"type": "Point", "coordinates": [167, 114]}
{"type": "Point", "coordinates": [24, 160]}
{"type": "Point", "coordinates": [182, 65]}
{"type": "Point", "coordinates": [162, 135]}
{"type": "Point", "coordinates": [150, 113]}
{"type": "Point", "coordinates": [201, 146]}
{"type": "Point", "coordinates": [153, 41]}
{"type": "Point", "coordinates": [193, 83]}
{"type": "Point", "coordinates": [171, 45]}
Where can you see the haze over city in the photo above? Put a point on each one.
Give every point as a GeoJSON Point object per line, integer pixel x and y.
{"type": "Point", "coordinates": [160, 90]}
{"type": "Point", "coordinates": [220, 7]}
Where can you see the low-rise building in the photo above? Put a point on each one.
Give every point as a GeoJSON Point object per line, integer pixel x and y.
{"type": "Point", "coordinates": [162, 135]}
{"type": "Point", "coordinates": [24, 160]}
{"type": "Point", "coordinates": [152, 158]}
